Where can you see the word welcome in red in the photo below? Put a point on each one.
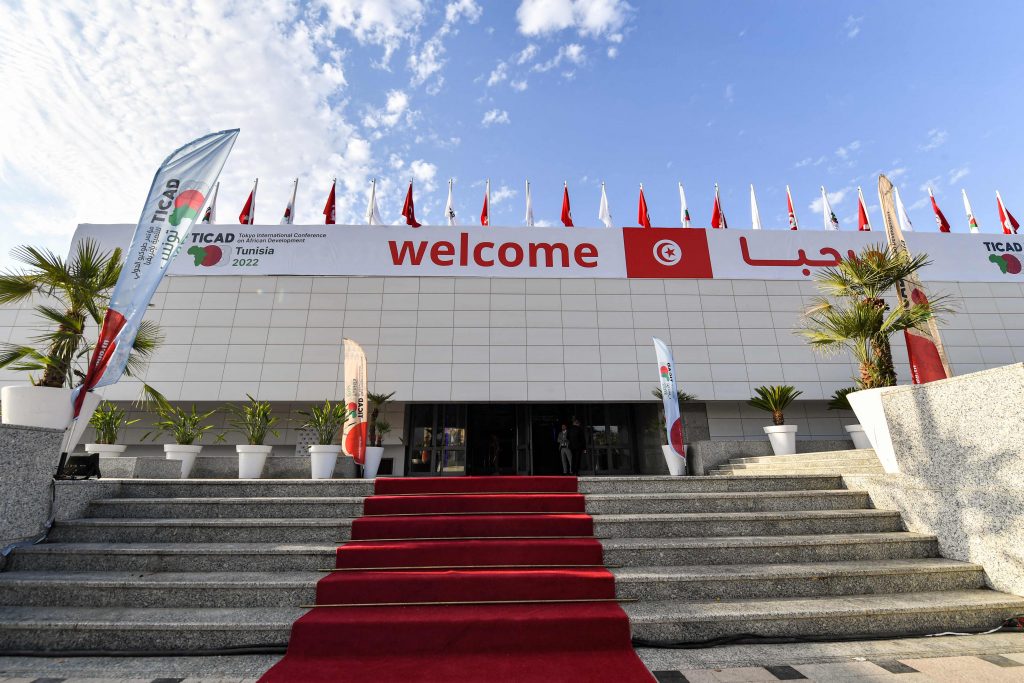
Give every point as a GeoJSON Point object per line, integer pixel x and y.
{"type": "Point", "coordinates": [486, 254]}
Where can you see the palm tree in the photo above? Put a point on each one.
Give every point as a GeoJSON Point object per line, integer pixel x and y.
{"type": "Point", "coordinates": [775, 399]}
{"type": "Point", "coordinates": [376, 401]}
{"type": "Point", "coordinates": [853, 314]}
{"type": "Point", "coordinates": [70, 294]}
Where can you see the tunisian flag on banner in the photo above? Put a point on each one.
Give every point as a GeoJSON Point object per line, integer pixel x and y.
{"type": "Point", "coordinates": [329, 208]}
{"type": "Point", "coordinates": [409, 209]}
{"type": "Point", "coordinates": [353, 435]}
{"type": "Point", "coordinates": [924, 347]}
{"type": "Point", "coordinates": [566, 209]}
{"type": "Point", "coordinates": [643, 218]}
{"type": "Point", "coordinates": [176, 197]}
{"type": "Point", "coordinates": [675, 453]}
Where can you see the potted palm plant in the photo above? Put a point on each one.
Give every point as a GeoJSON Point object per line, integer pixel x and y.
{"type": "Point", "coordinates": [676, 467]}
{"type": "Point", "coordinates": [325, 421]}
{"type": "Point", "coordinates": [839, 401]}
{"type": "Point", "coordinates": [254, 420]}
{"type": "Point", "coordinates": [186, 428]}
{"type": "Point", "coordinates": [775, 399]}
{"type": "Point", "coordinates": [71, 296]}
{"type": "Point", "coordinates": [375, 440]}
{"type": "Point", "coordinates": [108, 421]}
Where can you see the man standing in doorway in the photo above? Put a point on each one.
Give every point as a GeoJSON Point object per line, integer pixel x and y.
{"type": "Point", "coordinates": [577, 444]}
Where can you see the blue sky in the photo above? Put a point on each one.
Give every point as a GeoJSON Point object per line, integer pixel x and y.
{"type": "Point", "coordinates": [769, 93]}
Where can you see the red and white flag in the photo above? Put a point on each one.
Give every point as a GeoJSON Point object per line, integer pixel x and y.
{"type": "Point", "coordinates": [248, 215]}
{"type": "Point", "coordinates": [863, 222]}
{"type": "Point", "coordinates": [409, 209]}
{"type": "Point", "coordinates": [289, 211]}
{"type": "Point", "coordinates": [972, 222]}
{"type": "Point", "coordinates": [330, 207]}
{"type": "Point", "coordinates": [566, 209]}
{"type": "Point", "coordinates": [353, 435]}
{"type": "Point", "coordinates": [485, 216]}
{"type": "Point", "coordinates": [1006, 218]}
{"type": "Point", "coordinates": [792, 212]}
{"type": "Point", "coordinates": [940, 218]}
{"type": "Point", "coordinates": [717, 214]}
{"type": "Point", "coordinates": [643, 218]}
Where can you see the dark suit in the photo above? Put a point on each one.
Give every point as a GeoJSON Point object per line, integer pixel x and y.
{"type": "Point", "coordinates": [577, 444]}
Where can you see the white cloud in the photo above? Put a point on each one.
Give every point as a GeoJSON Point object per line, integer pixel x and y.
{"type": "Point", "coordinates": [591, 18]}
{"type": "Point", "coordinates": [852, 26]}
{"type": "Point", "coordinates": [931, 182]}
{"type": "Point", "coordinates": [528, 53]}
{"type": "Point", "coordinates": [499, 74]}
{"type": "Point", "coordinates": [810, 161]}
{"type": "Point", "coordinates": [573, 52]}
{"type": "Point", "coordinates": [97, 94]}
{"type": "Point", "coordinates": [613, 52]}
{"type": "Point", "coordinates": [957, 174]}
{"type": "Point", "coordinates": [495, 116]}
{"type": "Point", "coordinates": [502, 193]}
{"type": "Point", "coordinates": [424, 173]}
{"type": "Point", "coordinates": [844, 152]}
{"type": "Point", "coordinates": [519, 86]}
{"type": "Point", "coordinates": [834, 198]}
{"type": "Point", "coordinates": [936, 138]}
{"type": "Point", "coordinates": [396, 162]}
{"type": "Point", "coordinates": [730, 93]}
{"type": "Point", "coordinates": [377, 22]}
{"type": "Point", "coordinates": [397, 104]}
{"type": "Point", "coordinates": [429, 61]}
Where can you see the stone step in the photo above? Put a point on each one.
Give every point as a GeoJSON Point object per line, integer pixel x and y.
{"type": "Point", "coordinates": [249, 530]}
{"type": "Point", "coordinates": [789, 471]}
{"type": "Point", "coordinates": [673, 621]}
{"type": "Point", "coordinates": [746, 523]}
{"type": "Point", "coordinates": [744, 501]}
{"type": "Point", "coordinates": [732, 582]}
{"type": "Point", "coordinates": [707, 484]}
{"type": "Point", "coordinates": [172, 557]}
{"type": "Point", "coordinates": [852, 454]}
{"type": "Point", "coordinates": [244, 488]}
{"type": "Point", "coordinates": [161, 589]}
{"type": "Point", "coordinates": [633, 552]}
{"type": "Point", "coordinates": [42, 629]}
{"type": "Point", "coordinates": [232, 508]}
{"type": "Point", "coordinates": [802, 464]}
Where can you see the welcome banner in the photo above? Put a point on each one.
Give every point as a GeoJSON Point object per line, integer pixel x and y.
{"type": "Point", "coordinates": [669, 253]}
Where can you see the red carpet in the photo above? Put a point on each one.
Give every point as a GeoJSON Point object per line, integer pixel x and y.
{"type": "Point", "coordinates": [482, 540]}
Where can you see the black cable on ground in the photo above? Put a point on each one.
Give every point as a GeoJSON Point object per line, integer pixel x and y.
{"type": "Point", "coordinates": [1015, 623]}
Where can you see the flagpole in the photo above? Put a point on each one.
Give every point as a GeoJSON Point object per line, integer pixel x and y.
{"type": "Point", "coordinates": [252, 209]}
{"type": "Point", "coordinates": [295, 191]}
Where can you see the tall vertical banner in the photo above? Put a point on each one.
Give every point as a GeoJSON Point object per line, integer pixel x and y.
{"type": "Point", "coordinates": [670, 400]}
{"type": "Point", "coordinates": [924, 347]}
{"type": "Point", "coordinates": [177, 196]}
{"type": "Point", "coordinates": [353, 437]}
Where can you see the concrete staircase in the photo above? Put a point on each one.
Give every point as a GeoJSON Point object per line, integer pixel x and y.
{"type": "Point", "coordinates": [213, 564]}
{"type": "Point", "coordinates": [860, 461]}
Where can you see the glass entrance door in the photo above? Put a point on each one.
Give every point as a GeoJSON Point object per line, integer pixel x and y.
{"type": "Point", "coordinates": [437, 439]}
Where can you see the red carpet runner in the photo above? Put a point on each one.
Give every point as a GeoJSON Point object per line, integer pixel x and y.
{"type": "Point", "coordinates": [482, 540]}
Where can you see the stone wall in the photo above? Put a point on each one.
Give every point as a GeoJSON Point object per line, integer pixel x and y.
{"type": "Point", "coordinates": [959, 444]}
{"type": "Point", "coordinates": [28, 461]}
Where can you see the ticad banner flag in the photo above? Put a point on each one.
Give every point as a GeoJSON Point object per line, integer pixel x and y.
{"type": "Point", "coordinates": [354, 432]}
{"type": "Point", "coordinates": [925, 353]}
{"type": "Point", "coordinates": [176, 198]}
{"type": "Point", "coordinates": [670, 399]}
{"type": "Point", "coordinates": [499, 252]}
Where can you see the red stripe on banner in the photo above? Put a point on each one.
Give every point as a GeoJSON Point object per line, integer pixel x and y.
{"type": "Point", "coordinates": [925, 363]}
{"type": "Point", "coordinates": [112, 324]}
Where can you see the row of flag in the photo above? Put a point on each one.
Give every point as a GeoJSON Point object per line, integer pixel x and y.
{"type": "Point", "coordinates": [1007, 221]}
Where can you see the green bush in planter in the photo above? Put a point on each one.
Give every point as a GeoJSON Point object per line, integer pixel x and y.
{"type": "Point", "coordinates": [253, 420]}
{"type": "Point", "coordinates": [109, 421]}
{"type": "Point", "coordinates": [775, 399]}
{"type": "Point", "coordinates": [325, 421]}
{"type": "Point", "coordinates": [186, 427]}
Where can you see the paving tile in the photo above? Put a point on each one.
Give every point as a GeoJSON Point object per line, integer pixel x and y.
{"type": "Point", "coordinates": [964, 670]}
{"type": "Point", "coordinates": [670, 677]}
{"type": "Point", "coordinates": [895, 667]}
{"type": "Point", "coordinates": [701, 676]}
{"type": "Point", "coordinates": [1000, 660]}
{"type": "Point", "coordinates": [785, 673]}
{"type": "Point", "coordinates": [1015, 656]}
{"type": "Point", "coordinates": [744, 675]}
{"type": "Point", "coordinates": [837, 670]}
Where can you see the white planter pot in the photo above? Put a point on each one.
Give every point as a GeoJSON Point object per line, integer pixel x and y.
{"type": "Point", "coordinates": [251, 460]}
{"type": "Point", "coordinates": [46, 407]}
{"type": "Point", "coordinates": [105, 449]}
{"type": "Point", "coordinates": [185, 453]}
{"type": "Point", "coordinates": [676, 465]}
{"type": "Point", "coordinates": [782, 438]}
{"type": "Point", "coordinates": [860, 439]}
{"type": "Point", "coordinates": [322, 460]}
{"type": "Point", "coordinates": [867, 405]}
{"type": "Point", "coordinates": [373, 457]}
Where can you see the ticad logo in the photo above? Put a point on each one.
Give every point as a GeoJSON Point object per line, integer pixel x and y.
{"type": "Point", "coordinates": [186, 206]}
{"type": "Point", "coordinates": [206, 256]}
{"type": "Point", "coordinates": [1006, 262]}
{"type": "Point", "coordinates": [667, 252]}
